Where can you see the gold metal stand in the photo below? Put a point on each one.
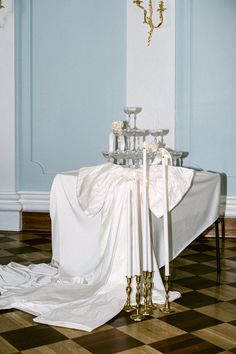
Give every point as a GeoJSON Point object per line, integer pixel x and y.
{"type": "Point", "coordinates": [137, 317]}
{"type": "Point", "coordinates": [146, 311]}
{"type": "Point", "coordinates": [128, 307]}
{"type": "Point", "coordinates": [150, 303]}
{"type": "Point", "coordinates": [166, 308]}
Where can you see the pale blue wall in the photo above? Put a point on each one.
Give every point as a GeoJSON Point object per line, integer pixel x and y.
{"type": "Point", "coordinates": [70, 70]}
{"type": "Point", "coordinates": [206, 85]}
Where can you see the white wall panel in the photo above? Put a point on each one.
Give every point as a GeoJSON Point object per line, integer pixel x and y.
{"type": "Point", "coordinates": [70, 84]}
{"type": "Point", "coordinates": [7, 100]}
{"type": "Point", "coordinates": [151, 69]}
{"type": "Point", "coordinates": [206, 85]}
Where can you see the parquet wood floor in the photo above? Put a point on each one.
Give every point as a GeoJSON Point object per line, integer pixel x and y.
{"type": "Point", "coordinates": [203, 322]}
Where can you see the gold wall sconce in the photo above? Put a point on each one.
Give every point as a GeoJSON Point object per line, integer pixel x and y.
{"type": "Point", "coordinates": [148, 15]}
{"type": "Point", "coordinates": [6, 9]}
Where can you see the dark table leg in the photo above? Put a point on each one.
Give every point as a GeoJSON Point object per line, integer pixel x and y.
{"type": "Point", "coordinates": [217, 246]}
{"type": "Point", "coordinates": [223, 228]}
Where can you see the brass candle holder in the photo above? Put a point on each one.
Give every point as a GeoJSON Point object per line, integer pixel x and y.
{"type": "Point", "coordinates": [128, 307]}
{"type": "Point", "coordinates": [137, 316]}
{"type": "Point", "coordinates": [167, 308]}
{"type": "Point", "coordinates": [150, 303]}
{"type": "Point", "coordinates": [1, 5]}
{"type": "Point", "coordinates": [146, 310]}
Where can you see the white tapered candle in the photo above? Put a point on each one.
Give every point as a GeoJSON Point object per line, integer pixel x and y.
{"type": "Point", "coordinates": [149, 243]}
{"type": "Point", "coordinates": [137, 269]}
{"type": "Point", "coordinates": [129, 238]}
{"type": "Point", "coordinates": [111, 142]}
{"type": "Point", "coordinates": [165, 214]}
{"type": "Point", "coordinates": [144, 210]}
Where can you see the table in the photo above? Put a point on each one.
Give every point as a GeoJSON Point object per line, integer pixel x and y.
{"type": "Point", "coordinates": [196, 211]}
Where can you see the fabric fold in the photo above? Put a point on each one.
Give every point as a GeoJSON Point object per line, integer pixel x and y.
{"type": "Point", "coordinates": [95, 185]}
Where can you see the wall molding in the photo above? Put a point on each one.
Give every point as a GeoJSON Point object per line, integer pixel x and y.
{"type": "Point", "coordinates": [9, 201]}
{"type": "Point", "coordinates": [39, 202]}
{"type": "Point", "coordinates": [13, 204]}
{"type": "Point", "coordinates": [229, 206]}
{"type": "Point", "coordinates": [34, 201]}
{"type": "Point", "coordinates": [24, 201]}
{"type": "Point", "coordinates": [10, 211]}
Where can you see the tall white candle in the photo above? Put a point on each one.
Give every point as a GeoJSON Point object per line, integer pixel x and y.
{"type": "Point", "coordinates": [165, 214]}
{"type": "Point", "coordinates": [137, 269]}
{"type": "Point", "coordinates": [122, 143]}
{"type": "Point", "coordinates": [144, 210]}
{"type": "Point", "coordinates": [148, 226]}
{"type": "Point", "coordinates": [129, 238]}
{"type": "Point", "coordinates": [111, 142]}
{"type": "Point", "coordinates": [149, 243]}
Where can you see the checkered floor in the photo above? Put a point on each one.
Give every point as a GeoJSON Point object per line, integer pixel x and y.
{"type": "Point", "coordinates": [203, 322]}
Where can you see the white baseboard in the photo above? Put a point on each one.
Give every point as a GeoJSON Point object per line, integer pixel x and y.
{"type": "Point", "coordinates": [34, 201]}
{"type": "Point", "coordinates": [10, 220]}
{"type": "Point", "coordinates": [10, 212]}
{"type": "Point", "coordinates": [228, 207]}
{"type": "Point", "coordinates": [12, 205]}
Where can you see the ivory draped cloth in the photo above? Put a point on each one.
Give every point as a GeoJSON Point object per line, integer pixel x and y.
{"type": "Point", "coordinates": [84, 286]}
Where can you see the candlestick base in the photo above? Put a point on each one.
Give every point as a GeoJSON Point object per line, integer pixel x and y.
{"type": "Point", "coordinates": [128, 308]}
{"type": "Point", "coordinates": [137, 317]}
{"type": "Point", "coordinates": [166, 309]}
{"type": "Point", "coordinates": [145, 309]}
{"type": "Point", "coordinates": [150, 304]}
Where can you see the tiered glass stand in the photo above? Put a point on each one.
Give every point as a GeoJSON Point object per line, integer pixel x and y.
{"type": "Point", "coordinates": [127, 141]}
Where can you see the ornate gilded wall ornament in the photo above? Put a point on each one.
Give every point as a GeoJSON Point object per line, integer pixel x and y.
{"type": "Point", "coordinates": [149, 14]}
{"type": "Point", "coordinates": [1, 5]}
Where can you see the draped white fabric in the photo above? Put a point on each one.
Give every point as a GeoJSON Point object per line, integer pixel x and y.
{"type": "Point", "coordinates": [89, 224]}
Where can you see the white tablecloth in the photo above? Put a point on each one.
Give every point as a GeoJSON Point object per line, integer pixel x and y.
{"type": "Point", "coordinates": [89, 243]}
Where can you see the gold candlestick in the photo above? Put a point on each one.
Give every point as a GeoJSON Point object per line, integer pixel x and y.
{"type": "Point", "coordinates": [1, 5]}
{"type": "Point", "coordinates": [137, 317]}
{"type": "Point", "coordinates": [150, 303]}
{"type": "Point", "coordinates": [166, 308]}
{"type": "Point", "coordinates": [146, 311]}
{"type": "Point", "coordinates": [128, 307]}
